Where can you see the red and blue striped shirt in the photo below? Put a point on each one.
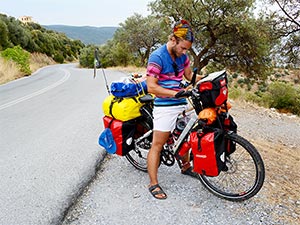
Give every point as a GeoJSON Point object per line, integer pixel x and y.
{"type": "Point", "coordinates": [161, 66]}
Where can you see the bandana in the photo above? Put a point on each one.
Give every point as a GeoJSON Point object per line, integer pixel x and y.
{"type": "Point", "coordinates": [183, 30]}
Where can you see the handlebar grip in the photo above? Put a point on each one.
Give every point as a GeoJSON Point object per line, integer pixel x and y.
{"type": "Point", "coordinates": [193, 81]}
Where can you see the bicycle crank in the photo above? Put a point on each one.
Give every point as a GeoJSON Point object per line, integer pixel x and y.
{"type": "Point", "coordinates": [167, 157]}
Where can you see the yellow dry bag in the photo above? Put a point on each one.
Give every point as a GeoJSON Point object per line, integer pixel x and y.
{"type": "Point", "coordinates": [123, 109]}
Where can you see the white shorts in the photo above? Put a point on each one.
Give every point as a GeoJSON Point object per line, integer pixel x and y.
{"type": "Point", "coordinates": [165, 117]}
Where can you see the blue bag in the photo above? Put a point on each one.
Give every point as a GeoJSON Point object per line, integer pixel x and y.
{"type": "Point", "coordinates": [128, 89]}
{"type": "Point", "coordinates": [106, 140]}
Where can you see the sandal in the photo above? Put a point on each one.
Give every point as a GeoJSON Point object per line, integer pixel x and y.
{"type": "Point", "coordinates": [156, 193]}
{"type": "Point", "coordinates": [190, 172]}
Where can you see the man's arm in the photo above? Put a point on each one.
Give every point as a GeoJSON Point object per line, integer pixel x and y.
{"type": "Point", "coordinates": [154, 88]}
{"type": "Point", "coordinates": [188, 75]}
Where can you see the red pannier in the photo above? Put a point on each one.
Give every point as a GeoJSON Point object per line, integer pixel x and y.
{"type": "Point", "coordinates": [213, 89]}
{"type": "Point", "coordinates": [209, 152]}
{"type": "Point", "coordinates": [122, 132]}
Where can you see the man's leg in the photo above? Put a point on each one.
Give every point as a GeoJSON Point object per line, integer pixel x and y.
{"type": "Point", "coordinates": [159, 139]}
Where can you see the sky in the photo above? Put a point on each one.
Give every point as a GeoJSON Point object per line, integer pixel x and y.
{"type": "Point", "coordinates": [97, 13]}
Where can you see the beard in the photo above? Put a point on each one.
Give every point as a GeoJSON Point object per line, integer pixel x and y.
{"type": "Point", "coordinates": [174, 52]}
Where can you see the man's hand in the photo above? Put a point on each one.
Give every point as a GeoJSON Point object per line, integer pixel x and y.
{"type": "Point", "coordinates": [182, 94]}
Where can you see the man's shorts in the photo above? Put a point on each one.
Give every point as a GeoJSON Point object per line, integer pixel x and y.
{"type": "Point", "coordinates": [165, 117]}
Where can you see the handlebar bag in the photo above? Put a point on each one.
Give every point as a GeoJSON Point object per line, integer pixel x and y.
{"type": "Point", "coordinates": [209, 152]}
{"type": "Point", "coordinates": [122, 133]}
{"type": "Point", "coordinates": [213, 89]}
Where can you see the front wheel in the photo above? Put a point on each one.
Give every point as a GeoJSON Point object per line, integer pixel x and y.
{"type": "Point", "coordinates": [245, 174]}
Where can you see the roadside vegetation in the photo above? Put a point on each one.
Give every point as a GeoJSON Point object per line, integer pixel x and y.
{"type": "Point", "coordinates": [259, 49]}
{"type": "Point", "coordinates": [26, 47]}
{"type": "Point", "coordinates": [280, 91]}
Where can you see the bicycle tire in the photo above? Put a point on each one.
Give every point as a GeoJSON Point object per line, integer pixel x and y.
{"type": "Point", "coordinates": [245, 175]}
{"type": "Point", "coordinates": [138, 156]}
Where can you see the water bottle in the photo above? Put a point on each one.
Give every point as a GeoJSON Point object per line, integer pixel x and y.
{"type": "Point", "coordinates": [180, 125]}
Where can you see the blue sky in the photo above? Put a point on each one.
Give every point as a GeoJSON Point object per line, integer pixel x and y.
{"type": "Point", "coordinates": [97, 13]}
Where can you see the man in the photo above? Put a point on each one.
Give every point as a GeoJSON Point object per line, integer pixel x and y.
{"type": "Point", "coordinates": [166, 68]}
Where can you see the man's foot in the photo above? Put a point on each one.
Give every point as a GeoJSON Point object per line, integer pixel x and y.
{"type": "Point", "coordinates": [190, 172]}
{"type": "Point", "coordinates": [157, 192]}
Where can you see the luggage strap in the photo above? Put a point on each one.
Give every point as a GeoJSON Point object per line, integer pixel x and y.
{"type": "Point", "coordinates": [118, 99]}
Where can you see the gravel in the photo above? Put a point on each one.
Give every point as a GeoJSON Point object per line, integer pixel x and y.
{"type": "Point", "coordinates": [118, 194]}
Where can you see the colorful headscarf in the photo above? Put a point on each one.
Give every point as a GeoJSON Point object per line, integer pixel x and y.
{"type": "Point", "coordinates": [182, 29]}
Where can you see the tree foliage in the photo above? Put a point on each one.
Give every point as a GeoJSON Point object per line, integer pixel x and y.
{"type": "Point", "coordinates": [34, 38]}
{"type": "Point", "coordinates": [142, 35]}
{"type": "Point", "coordinates": [226, 33]}
{"type": "Point", "coordinates": [4, 43]}
{"type": "Point", "coordinates": [86, 58]}
{"type": "Point", "coordinates": [286, 25]}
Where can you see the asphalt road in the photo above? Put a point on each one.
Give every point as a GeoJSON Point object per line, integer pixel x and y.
{"type": "Point", "coordinates": [49, 127]}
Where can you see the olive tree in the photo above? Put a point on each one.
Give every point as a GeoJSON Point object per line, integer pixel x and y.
{"type": "Point", "coordinates": [286, 24]}
{"type": "Point", "coordinates": [226, 33]}
{"type": "Point", "coordinates": [141, 34]}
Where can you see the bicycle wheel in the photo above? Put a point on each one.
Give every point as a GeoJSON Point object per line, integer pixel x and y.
{"type": "Point", "coordinates": [143, 139]}
{"type": "Point", "coordinates": [245, 175]}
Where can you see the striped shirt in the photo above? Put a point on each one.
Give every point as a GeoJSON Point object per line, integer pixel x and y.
{"type": "Point", "coordinates": [161, 66]}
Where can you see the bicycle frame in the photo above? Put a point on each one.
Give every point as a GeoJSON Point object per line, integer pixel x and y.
{"type": "Point", "coordinates": [184, 133]}
{"type": "Point", "coordinates": [177, 143]}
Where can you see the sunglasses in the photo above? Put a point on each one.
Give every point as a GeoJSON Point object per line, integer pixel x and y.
{"type": "Point", "coordinates": [175, 67]}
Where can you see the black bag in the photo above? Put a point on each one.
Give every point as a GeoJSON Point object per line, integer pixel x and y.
{"type": "Point", "coordinates": [228, 124]}
{"type": "Point", "coordinates": [213, 89]}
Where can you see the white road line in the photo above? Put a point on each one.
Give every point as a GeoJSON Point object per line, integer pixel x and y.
{"type": "Point", "coordinates": [39, 92]}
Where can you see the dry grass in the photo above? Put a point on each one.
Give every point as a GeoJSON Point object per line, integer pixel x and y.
{"type": "Point", "coordinates": [130, 69]}
{"type": "Point", "coordinates": [9, 70]}
{"type": "Point", "coordinates": [38, 60]}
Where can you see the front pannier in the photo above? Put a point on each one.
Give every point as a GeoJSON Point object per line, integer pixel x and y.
{"type": "Point", "coordinates": [209, 152]}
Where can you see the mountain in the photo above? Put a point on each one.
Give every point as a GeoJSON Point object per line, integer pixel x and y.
{"type": "Point", "coordinates": [87, 34]}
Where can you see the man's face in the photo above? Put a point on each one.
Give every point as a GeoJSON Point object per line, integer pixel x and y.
{"type": "Point", "coordinates": [181, 47]}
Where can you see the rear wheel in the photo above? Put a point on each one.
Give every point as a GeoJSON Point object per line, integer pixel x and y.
{"type": "Point", "coordinates": [245, 174]}
{"type": "Point", "coordinates": [143, 139]}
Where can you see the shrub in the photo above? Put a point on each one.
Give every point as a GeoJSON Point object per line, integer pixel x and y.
{"type": "Point", "coordinates": [249, 86]}
{"type": "Point", "coordinates": [252, 97]}
{"type": "Point", "coordinates": [235, 75]}
{"type": "Point", "coordinates": [86, 58]}
{"type": "Point", "coordinates": [286, 72]}
{"type": "Point", "coordinates": [58, 57]}
{"type": "Point", "coordinates": [241, 81]}
{"type": "Point", "coordinates": [277, 75]}
{"type": "Point", "coordinates": [19, 56]}
{"type": "Point", "coordinates": [235, 93]}
{"type": "Point", "coordinates": [284, 96]}
{"type": "Point", "coordinates": [262, 87]}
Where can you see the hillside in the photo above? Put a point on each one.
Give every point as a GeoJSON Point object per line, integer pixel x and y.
{"type": "Point", "coordinates": [87, 34]}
